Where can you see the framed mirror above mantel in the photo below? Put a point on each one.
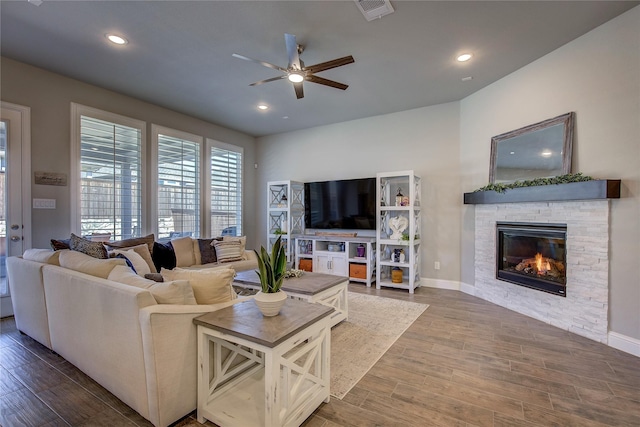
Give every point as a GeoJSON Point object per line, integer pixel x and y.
{"type": "Point", "coordinates": [540, 150]}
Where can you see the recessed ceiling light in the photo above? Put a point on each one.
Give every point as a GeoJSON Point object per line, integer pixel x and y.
{"type": "Point", "coordinates": [464, 57]}
{"type": "Point", "coordinates": [116, 39]}
{"type": "Point", "coordinates": [285, 117]}
{"type": "Point", "coordinates": [546, 153]}
{"type": "Point", "coordinates": [263, 107]}
{"type": "Point", "coordinates": [466, 79]}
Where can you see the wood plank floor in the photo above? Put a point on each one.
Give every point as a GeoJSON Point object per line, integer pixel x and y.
{"type": "Point", "coordinates": [464, 362]}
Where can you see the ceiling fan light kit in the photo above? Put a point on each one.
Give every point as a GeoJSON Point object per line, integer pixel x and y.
{"type": "Point", "coordinates": [296, 72]}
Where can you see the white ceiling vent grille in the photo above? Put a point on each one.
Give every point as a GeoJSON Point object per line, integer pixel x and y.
{"type": "Point", "coordinates": [374, 9]}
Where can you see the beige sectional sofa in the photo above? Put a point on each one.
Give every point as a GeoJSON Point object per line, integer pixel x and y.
{"type": "Point", "coordinates": [143, 352]}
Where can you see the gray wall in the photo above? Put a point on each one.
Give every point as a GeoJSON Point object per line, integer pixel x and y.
{"type": "Point", "coordinates": [598, 77]}
{"type": "Point", "coordinates": [49, 96]}
{"type": "Point", "coordinates": [424, 140]}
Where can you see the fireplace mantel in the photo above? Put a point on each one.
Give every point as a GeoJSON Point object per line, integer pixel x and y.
{"type": "Point", "coordinates": [586, 190]}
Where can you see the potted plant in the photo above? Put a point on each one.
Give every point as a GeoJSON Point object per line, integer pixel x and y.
{"type": "Point", "coordinates": [271, 271]}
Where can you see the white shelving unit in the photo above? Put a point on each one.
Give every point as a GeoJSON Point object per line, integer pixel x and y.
{"type": "Point", "coordinates": [285, 213]}
{"type": "Point", "coordinates": [398, 230]}
{"type": "Point", "coordinates": [338, 255]}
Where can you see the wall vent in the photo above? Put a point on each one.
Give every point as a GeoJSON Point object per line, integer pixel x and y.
{"type": "Point", "coordinates": [374, 9]}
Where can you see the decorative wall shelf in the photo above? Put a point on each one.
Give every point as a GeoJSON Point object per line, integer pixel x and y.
{"type": "Point", "coordinates": [586, 190]}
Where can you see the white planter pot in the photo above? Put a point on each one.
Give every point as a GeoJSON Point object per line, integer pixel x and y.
{"type": "Point", "coordinates": [270, 304]}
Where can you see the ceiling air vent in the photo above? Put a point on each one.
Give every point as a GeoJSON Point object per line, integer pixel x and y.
{"type": "Point", "coordinates": [374, 9]}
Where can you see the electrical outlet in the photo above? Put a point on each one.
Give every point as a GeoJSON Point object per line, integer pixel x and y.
{"type": "Point", "coordinates": [436, 265]}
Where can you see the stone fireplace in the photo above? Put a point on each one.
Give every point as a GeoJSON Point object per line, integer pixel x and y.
{"type": "Point", "coordinates": [583, 208]}
{"type": "Point", "coordinates": [532, 255]}
{"type": "Point", "coordinates": [584, 308]}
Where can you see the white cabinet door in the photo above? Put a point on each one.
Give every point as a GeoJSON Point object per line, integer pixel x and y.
{"type": "Point", "coordinates": [339, 265]}
{"type": "Point", "coordinates": [331, 264]}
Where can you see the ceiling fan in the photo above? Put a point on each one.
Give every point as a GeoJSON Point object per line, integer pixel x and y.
{"type": "Point", "coordinates": [296, 72]}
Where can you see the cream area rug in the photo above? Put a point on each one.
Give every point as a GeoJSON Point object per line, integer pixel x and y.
{"type": "Point", "coordinates": [374, 324]}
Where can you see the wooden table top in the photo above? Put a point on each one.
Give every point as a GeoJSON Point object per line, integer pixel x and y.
{"type": "Point", "coordinates": [244, 320]}
{"type": "Point", "coordinates": [307, 284]}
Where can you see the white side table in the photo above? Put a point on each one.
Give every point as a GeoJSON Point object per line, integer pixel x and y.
{"type": "Point", "coordinates": [263, 371]}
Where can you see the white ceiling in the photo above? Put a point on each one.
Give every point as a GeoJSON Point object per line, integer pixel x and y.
{"type": "Point", "coordinates": [179, 52]}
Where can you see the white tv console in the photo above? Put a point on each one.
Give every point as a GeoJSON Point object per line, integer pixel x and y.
{"type": "Point", "coordinates": [338, 255]}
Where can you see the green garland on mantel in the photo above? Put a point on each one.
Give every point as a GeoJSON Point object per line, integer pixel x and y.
{"type": "Point", "coordinates": [562, 179]}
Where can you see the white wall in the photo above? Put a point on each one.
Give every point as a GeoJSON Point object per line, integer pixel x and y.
{"type": "Point", "coordinates": [49, 96]}
{"type": "Point", "coordinates": [424, 140]}
{"type": "Point", "coordinates": [598, 77]}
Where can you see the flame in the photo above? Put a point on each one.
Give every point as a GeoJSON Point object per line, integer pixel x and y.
{"type": "Point", "coordinates": [541, 265]}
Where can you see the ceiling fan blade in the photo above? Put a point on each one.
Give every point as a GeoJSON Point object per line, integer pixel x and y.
{"type": "Point", "coordinates": [266, 64]}
{"type": "Point", "coordinates": [299, 91]}
{"type": "Point", "coordinates": [292, 51]}
{"type": "Point", "coordinates": [326, 82]}
{"type": "Point", "coordinates": [330, 64]}
{"type": "Point", "coordinates": [273, 79]}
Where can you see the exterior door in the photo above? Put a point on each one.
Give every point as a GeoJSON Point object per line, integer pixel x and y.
{"type": "Point", "coordinates": [15, 191]}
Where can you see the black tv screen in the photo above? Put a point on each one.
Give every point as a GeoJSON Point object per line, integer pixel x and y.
{"type": "Point", "coordinates": [345, 204]}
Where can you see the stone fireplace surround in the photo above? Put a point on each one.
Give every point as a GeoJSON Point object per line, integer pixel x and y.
{"type": "Point", "coordinates": [584, 311]}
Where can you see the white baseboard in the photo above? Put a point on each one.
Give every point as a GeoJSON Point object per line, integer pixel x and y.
{"type": "Point", "coordinates": [624, 343]}
{"type": "Point", "coordinates": [440, 284]}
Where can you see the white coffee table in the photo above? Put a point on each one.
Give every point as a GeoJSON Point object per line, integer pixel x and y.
{"type": "Point", "coordinates": [263, 371]}
{"type": "Point", "coordinates": [322, 288]}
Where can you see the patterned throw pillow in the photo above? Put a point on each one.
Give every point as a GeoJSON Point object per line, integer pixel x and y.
{"type": "Point", "coordinates": [228, 251]}
{"type": "Point", "coordinates": [94, 249]}
{"type": "Point", "coordinates": [60, 244]}
{"type": "Point", "coordinates": [207, 251]}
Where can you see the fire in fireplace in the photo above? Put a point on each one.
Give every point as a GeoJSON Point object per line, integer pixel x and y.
{"type": "Point", "coordinates": [532, 255]}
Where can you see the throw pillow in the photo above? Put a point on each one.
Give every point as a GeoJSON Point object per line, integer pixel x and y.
{"type": "Point", "coordinates": [163, 256]}
{"type": "Point", "coordinates": [129, 263]}
{"type": "Point", "coordinates": [94, 249]}
{"type": "Point", "coordinates": [176, 292]}
{"type": "Point", "coordinates": [241, 239]}
{"type": "Point", "coordinates": [135, 241]}
{"type": "Point", "coordinates": [183, 247]}
{"type": "Point", "coordinates": [45, 256]}
{"type": "Point", "coordinates": [207, 251]}
{"type": "Point", "coordinates": [228, 251]}
{"type": "Point", "coordinates": [140, 266]}
{"type": "Point", "coordinates": [143, 251]}
{"type": "Point", "coordinates": [210, 286]}
{"type": "Point", "coordinates": [78, 261]}
{"type": "Point", "coordinates": [58, 245]}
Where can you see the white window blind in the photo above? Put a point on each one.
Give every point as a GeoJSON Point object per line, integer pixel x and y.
{"type": "Point", "coordinates": [226, 191]}
{"type": "Point", "coordinates": [178, 187]}
{"type": "Point", "coordinates": [110, 172]}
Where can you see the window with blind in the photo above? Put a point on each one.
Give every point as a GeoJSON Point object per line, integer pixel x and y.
{"type": "Point", "coordinates": [109, 189]}
{"type": "Point", "coordinates": [179, 183]}
{"type": "Point", "coordinates": [226, 189]}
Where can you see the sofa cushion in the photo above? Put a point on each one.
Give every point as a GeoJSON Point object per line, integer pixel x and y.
{"type": "Point", "coordinates": [60, 244]}
{"type": "Point", "coordinates": [94, 249]}
{"type": "Point", "coordinates": [163, 256]}
{"type": "Point", "coordinates": [183, 247]}
{"type": "Point", "coordinates": [87, 264]}
{"type": "Point", "coordinates": [135, 241]}
{"type": "Point", "coordinates": [143, 251]}
{"type": "Point", "coordinates": [228, 251]}
{"type": "Point", "coordinates": [170, 292]}
{"type": "Point", "coordinates": [210, 286]}
{"type": "Point", "coordinates": [140, 266]}
{"type": "Point", "coordinates": [45, 256]}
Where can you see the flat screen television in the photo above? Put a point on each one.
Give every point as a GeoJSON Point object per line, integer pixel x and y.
{"type": "Point", "coordinates": [345, 204]}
